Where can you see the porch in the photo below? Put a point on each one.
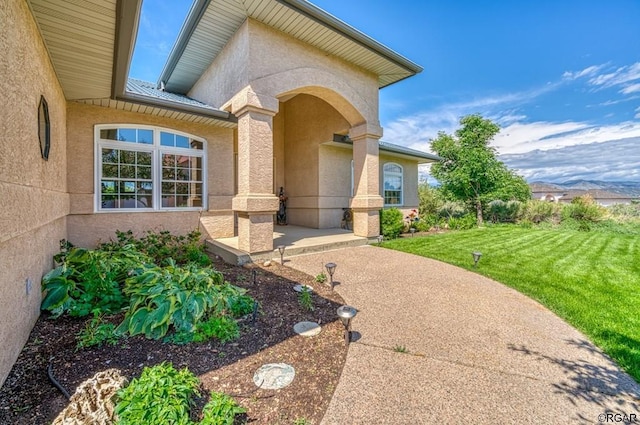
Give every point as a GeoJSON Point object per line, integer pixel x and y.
{"type": "Point", "coordinates": [297, 240]}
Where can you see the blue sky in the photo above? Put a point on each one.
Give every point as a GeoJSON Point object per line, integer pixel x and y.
{"type": "Point", "coordinates": [562, 78]}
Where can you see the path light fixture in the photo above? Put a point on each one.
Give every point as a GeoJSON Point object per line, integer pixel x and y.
{"type": "Point", "coordinates": [346, 313]}
{"type": "Point", "coordinates": [331, 269]}
{"type": "Point", "coordinates": [281, 251]}
{"type": "Point", "coordinates": [380, 239]}
{"type": "Point", "coordinates": [413, 231]}
{"type": "Point", "coordinates": [476, 258]}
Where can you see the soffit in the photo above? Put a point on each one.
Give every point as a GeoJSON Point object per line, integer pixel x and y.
{"type": "Point", "coordinates": [198, 46]}
{"type": "Point", "coordinates": [79, 36]}
{"type": "Point", "coordinates": [158, 111]}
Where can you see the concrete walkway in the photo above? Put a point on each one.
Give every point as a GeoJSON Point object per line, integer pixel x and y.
{"type": "Point", "coordinates": [477, 351]}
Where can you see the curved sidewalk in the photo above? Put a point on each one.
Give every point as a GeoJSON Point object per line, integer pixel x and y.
{"type": "Point", "coordinates": [476, 351]}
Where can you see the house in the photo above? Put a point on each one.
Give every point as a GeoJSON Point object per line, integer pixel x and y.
{"type": "Point", "coordinates": [256, 95]}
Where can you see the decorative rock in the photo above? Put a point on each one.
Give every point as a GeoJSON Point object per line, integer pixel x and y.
{"type": "Point", "coordinates": [274, 376]}
{"type": "Point", "coordinates": [267, 263]}
{"type": "Point", "coordinates": [93, 402]}
{"type": "Point", "coordinates": [307, 328]}
{"type": "Point", "coordinates": [299, 288]}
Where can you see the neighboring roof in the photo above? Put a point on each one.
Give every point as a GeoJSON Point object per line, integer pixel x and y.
{"type": "Point", "coordinates": [596, 194]}
{"type": "Point", "coordinates": [389, 148]}
{"type": "Point", "coordinates": [211, 23]}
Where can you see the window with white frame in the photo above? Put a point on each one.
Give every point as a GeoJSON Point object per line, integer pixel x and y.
{"type": "Point", "coordinates": [142, 168]}
{"type": "Point", "coordinates": [392, 183]}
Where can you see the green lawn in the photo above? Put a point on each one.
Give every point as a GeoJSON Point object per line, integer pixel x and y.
{"type": "Point", "coordinates": [591, 279]}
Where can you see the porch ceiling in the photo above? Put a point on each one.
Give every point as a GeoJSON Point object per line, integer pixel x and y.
{"type": "Point", "coordinates": [79, 36]}
{"type": "Point", "coordinates": [211, 23]}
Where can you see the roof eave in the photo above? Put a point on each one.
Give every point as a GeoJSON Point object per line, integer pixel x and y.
{"type": "Point", "coordinates": [198, 8]}
{"type": "Point", "coordinates": [314, 12]}
{"type": "Point", "coordinates": [167, 104]}
{"type": "Point", "coordinates": [127, 20]}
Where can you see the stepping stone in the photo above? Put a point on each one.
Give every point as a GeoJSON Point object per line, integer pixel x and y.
{"type": "Point", "coordinates": [307, 328]}
{"type": "Point", "coordinates": [274, 376]}
{"type": "Point", "coordinates": [299, 288]}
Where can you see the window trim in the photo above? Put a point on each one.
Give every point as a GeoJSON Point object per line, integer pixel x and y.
{"type": "Point", "coordinates": [401, 174]}
{"type": "Point", "coordinates": [156, 150]}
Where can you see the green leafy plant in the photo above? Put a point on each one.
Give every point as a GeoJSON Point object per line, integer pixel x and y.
{"type": "Point", "coordinates": [240, 305]}
{"type": "Point", "coordinates": [391, 223]}
{"type": "Point", "coordinates": [221, 328]}
{"type": "Point", "coordinates": [305, 300]}
{"type": "Point", "coordinates": [321, 277]}
{"type": "Point", "coordinates": [96, 332]}
{"type": "Point", "coordinates": [220, 410]}
{"type": "Point", "coordinates": [174, 296]}
{"type": "Point", "coordinates": [162, 246]}
{"type": "Point", "coordinates": [161, 395]}
{"type": "Point", "coordinates": [89, 280]}
{"type": "Point", "coordinates": [301, 421]}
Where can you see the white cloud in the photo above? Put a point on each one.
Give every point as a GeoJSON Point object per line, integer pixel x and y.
{"type": "Point", "coordinates": [620, 77]}
{"type": "Point", "coordinates": [633, 88]}
{"type": "Point", "coordinates": [587, 72]}
{"type": "Point", "coordinates": [637, 113]}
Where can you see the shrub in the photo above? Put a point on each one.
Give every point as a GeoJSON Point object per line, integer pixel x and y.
{"type": "Point", "coordinates": [162, 246]}
{"type": "Point", "coordinates": [89, 280]}
{"type": "Point", "coordinates": [500, 211]}
{"type": "Point", "coordinates": [452, 209]}
{"type": "Point", "coordinates": [174, 296]}
{"type": "Point", "coordinates": [391, 223]}
{"type": "Point", "coordinates": [584, 210]}
{"type": "Point", "coordinates": [537, 211]}
{"type": "Point", "coordinates": [625, 211]}
{"type": "Point", "coordinates": [462, 223]}
{"type": "Point", "coordinates": [240, 305]}
{"type": "Point", "coordinates": [221, 328]}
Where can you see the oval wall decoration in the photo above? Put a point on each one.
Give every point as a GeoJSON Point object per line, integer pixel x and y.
{"type": "Point", "coordinates": [44, 128]}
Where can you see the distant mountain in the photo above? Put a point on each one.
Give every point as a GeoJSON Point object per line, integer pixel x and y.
{"type": "Point", "coordinates": [628, 188]}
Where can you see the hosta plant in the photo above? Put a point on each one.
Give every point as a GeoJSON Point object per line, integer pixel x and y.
{"type": "Point", "coordinates": [174, 296]}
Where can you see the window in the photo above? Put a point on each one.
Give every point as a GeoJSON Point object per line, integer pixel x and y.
{"type": "Point", "coordinates": [392, 181]}
{"type": "Point", "coordinates": [142, 168]}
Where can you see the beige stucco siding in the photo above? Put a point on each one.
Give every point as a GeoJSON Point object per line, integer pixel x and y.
{"type": "Point", "coordinates": [87, 228]}
{"type": "Point", "coordinates": [310, 175]}
{"type": "Point", "coordinates": [32, 190]}
{"type": "Point", "coordinates": [275, 64]}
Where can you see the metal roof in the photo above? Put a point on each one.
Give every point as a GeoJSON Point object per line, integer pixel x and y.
{"type": "Point", "coordinates": [144, 88]}
{"type": "Point", "coordinates": [80, 37]}
{"type": "Point", "coordinates": [211, 23]}
{"type": "Point", "coordinates": [392, 149]}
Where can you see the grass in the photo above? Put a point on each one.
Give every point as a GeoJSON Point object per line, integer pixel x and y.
{"type": "Point", "coordinates": [590, 279]}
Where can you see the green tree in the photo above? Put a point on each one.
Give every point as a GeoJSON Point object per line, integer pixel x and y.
{"type": "Point", "coordinates": [470, 171]}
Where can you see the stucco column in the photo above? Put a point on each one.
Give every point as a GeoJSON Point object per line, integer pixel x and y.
{"type": "Point", "coordinates": [255, 202]}
{"type": "Point", "coordinates": [367, 201]}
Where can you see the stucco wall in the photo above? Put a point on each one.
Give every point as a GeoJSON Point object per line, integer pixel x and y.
{"type": "Point", "coordinates": [87, 228]}
{"type": "Point", "coordinates": [309, 122]}
{"type": "Point", "coordinates": [32, 190]}
{"type": "Point", "coordinates": [409, 183]}
{"type": "Point", "coordinates": [275, 64]}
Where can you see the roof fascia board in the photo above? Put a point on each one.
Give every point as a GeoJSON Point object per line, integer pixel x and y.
{"type": "Point", "coordinates": [196, 12]}
{"type": "Point", "coordinates": [341, 141]}
{"type": "Point", "coordinates": [167, 104]}
{"type": "Point", "coordinates": [315, 13]}
{"type": "Point", "coordinates": [127, 20]}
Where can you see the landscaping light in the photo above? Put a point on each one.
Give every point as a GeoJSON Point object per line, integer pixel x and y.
{"type": "Point", "coordinates": [476, 258]}
{"type": "Point", "coordinates": [380, 239]}
{"type": "Point", "coordinates": [346, 314]}
{"type": "Point", "coordinates": [331, 268]}
{"type": "Point", "coordinates": [412, 230]}
{"type": "Point", "coordinates": [281, 251]}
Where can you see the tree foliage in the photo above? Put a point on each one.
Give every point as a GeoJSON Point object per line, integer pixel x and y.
{"type": "Point", "coordinates": [470, 171]}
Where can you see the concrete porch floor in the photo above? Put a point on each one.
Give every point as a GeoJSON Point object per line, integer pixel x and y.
{"type": "Point", "coordinates": [297, 240]}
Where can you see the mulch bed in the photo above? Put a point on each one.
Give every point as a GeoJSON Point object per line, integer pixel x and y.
{"type": "Point", "coordinates": [28, 397]}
